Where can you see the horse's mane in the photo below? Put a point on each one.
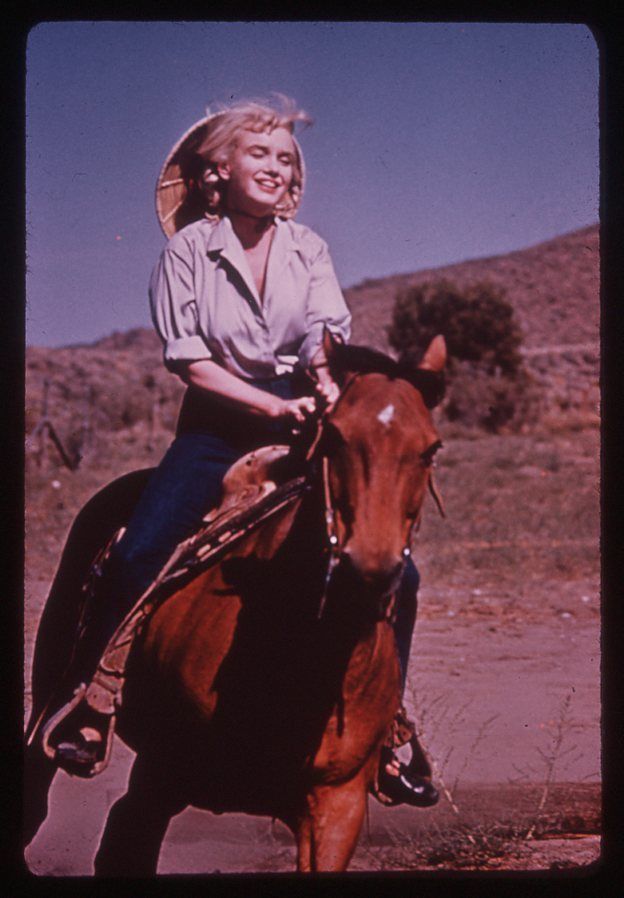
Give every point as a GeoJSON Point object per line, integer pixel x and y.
{"type": "Point", "coordinates": [431, 384]}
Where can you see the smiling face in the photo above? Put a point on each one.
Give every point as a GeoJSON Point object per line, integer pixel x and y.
{"type": "Point", "coordinates": [259, 171]}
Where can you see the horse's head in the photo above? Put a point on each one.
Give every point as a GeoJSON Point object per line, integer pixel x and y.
{"type": "Point", "coordinates": [378, 442]}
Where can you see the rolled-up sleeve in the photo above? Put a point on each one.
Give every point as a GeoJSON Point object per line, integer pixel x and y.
{"type": "Point", "coordinates": [174, 308]}
{"type": "Point", "coordinates": [325, 307]}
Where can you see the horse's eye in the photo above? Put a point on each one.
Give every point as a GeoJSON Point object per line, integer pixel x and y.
{"type": "Point", "coordinates": [428, 454]}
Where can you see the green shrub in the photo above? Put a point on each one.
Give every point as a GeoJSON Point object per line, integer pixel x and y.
{"type": "Point", "coordinates": [478, 324]}
{"type": "Point", "coordinates": [487, 384]}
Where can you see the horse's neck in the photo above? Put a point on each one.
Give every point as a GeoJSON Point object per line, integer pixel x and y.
{"type": "Point", "coordinates": [346, 639]}
{"type": "Point", "coordinates": [288, 561]}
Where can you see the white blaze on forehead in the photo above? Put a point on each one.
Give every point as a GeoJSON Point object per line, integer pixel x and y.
{"type": "Point", "coordinates": [386, 415]}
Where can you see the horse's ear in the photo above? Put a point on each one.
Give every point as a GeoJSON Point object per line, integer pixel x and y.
{"type": "Point", "coordinates": [434, 358]}
{"type": "Point", "coordinates": [332, 346]}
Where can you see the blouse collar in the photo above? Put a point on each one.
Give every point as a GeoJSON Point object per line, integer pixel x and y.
{"type": "Point", "coordinates": [224, 241]}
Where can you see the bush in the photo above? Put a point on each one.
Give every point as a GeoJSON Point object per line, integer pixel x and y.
{"type": "Point", "coordinates": [491, 402]}
{"type": "Point", "coordinates": [478, 324]}
{"type": "Point", "coordinates": [488, 386]}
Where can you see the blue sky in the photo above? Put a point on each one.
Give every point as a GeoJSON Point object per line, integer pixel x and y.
{"type": "Point", "coordinates": [432, 143]}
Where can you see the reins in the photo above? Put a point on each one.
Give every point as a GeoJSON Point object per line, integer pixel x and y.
{"type": "Point", "coordinates": [436, 496]}
{"type": "Point", "coordinates": [333, 546]}
{"type": "Point", "coordinates": [332, 536]}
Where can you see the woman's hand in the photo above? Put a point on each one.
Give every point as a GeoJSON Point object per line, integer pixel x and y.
{"type": "Point", "coordinates": [328, 389]}
{"type": "Point", "coordinates": [296, 410]}
{"type": "Point", "coordinates": [325, 386]}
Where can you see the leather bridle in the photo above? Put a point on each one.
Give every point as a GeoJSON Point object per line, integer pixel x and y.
{"type": "Point", "coordinates": [316, 452]}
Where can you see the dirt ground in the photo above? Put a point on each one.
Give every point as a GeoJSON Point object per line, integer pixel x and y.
{"type": "Point", "coordinates": [504, 681]}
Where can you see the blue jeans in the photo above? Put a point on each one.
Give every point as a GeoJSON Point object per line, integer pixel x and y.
{"type": "Point", "coordinates": [407, 605]}
{"type": "Point", "coordinates": [182, 489]}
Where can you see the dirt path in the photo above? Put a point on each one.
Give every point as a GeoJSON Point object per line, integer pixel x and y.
{"type": "Point", "coordinates": [559, 349]}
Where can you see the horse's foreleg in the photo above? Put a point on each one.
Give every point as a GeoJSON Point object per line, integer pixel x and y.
{"type": "Point", "coordinates": [328, 831]}
{"type": "Point", "coordinates": [137, 824]}
{"type": "Point", "coordinates": [39, 772]}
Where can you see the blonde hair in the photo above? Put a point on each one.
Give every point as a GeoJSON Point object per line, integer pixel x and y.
{"type": "Point", "coordinates": [222, 132]}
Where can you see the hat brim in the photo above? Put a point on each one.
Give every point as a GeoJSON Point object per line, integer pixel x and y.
{"type": "Point", "coordinates": [177, 204]}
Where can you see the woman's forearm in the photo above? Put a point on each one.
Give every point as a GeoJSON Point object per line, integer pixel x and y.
{"type": "Point", "coordinates": [209, 376]}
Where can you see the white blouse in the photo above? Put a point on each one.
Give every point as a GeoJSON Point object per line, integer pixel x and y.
{"type": "Point", "coordinates": [205, 304]}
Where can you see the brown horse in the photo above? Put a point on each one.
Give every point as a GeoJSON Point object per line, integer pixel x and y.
{"type": "Point", "coordinates": [263, 685]}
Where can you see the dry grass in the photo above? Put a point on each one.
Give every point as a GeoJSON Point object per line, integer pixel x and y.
{"type": "Point", "coordinates": [520, 510]}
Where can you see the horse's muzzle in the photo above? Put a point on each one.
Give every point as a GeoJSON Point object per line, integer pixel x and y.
{"type": "Point", "coordinates": [377, 581]}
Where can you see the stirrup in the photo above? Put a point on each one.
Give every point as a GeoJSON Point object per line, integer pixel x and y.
{"type": "Point", "coordinates": [404, 788]}
{"type": "Point", "coordinates": [403, 732]}
{"type": "Point", "coordinates": [80, 756]}
{"type": "Point", "coordinates": [51, 727]}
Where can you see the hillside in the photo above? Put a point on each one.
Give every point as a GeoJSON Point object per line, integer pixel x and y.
{"type": "Point", "coordinates": [553, 287]}
{"type": "Point", "coordinates": [118, 384]}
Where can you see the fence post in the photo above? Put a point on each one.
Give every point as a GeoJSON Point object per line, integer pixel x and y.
{"type": "Point", "coordinates": [86, 437]}
{"type": "Point", "coordinates": [42, 428]}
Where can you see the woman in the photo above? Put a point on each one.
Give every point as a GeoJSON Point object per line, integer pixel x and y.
{"type": "Point", "coordinates": [240, 298]}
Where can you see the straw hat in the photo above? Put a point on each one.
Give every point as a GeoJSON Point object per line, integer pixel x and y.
{"type": "Point", "coordinates": [179, 200]}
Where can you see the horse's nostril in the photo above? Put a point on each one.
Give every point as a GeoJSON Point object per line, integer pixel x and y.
{"type": "Point", "coordinates": [378, 576]}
